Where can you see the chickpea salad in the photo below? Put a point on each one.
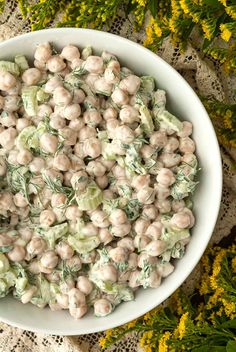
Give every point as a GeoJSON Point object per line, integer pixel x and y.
{"type": "Point", "coordinates": [96, 181]}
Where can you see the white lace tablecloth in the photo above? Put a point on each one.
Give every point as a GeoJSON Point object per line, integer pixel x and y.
{"type": "Point", "coordinates": [207, 78]}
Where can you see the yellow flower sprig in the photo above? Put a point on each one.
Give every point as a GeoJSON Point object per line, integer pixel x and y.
{"type": "Point", "coordinates": [188, 323]}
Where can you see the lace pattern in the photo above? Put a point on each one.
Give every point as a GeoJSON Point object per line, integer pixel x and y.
{"type": "Point", "coordinates": [206, 77]}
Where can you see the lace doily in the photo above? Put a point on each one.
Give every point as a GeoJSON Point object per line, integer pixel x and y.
{"type": "Point", "coordinates": [207, 78]}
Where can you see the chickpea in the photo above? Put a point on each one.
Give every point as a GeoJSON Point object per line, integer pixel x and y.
{"type": "Point", "coordinates": [6, 201]}
{"type": "Point", "coordinates": [165, 269]}
{"type": "Point", "coordinates": [78, 96]}
{"type": "Point", "coordinates": [47, 218]}
{"type": "Point", "coordinates": [8, 119]}
{"type": "Point", "coordinates": [25, 233]}
{"type": "Point", "coordinates": [140, 226]}
{"type": "Point", "coordinates": [72, 111]}
{"type": "Point", "coordinates": [76, 63]}
{"type": "Point", "coordinates": [111, 75]}
{"type": "Point", "coordinates": [76, 124]}
{"type": "Point", "coordinates": [141, 241]}
{"type": "Point", "coordinates": [86, 133]}
{"type": "Point", "coordinates": [64, 250]}
{"type": "Point", "coordinates": [144, 259]}
{"type": "Point", "coordinates": [21, 123]}
{"type": "Point", "coordinates": [154, 231]}
{"type": "Point", "coordinates": [28, 294]}
{"type": "Point", "coordinates": [11, 103]}
{"type": "Point", "coordinates": [165, 177]}
{"type": "Point", "coordinates": [140, 181]}
{"type": "Point", "coordinates": [7, 81]}
{"type": "Point", "coordinates": [36, 165]}
{"type": "Point", "coordinates": [108, 194]}
{"type": "Point", "coordinates": [164, 206]}
{"type": "Point", "coordinates": [49, 259]}
{"type": "Point", "coordinates": [111, 126]}
{"type": "Point", "coordinates": [84, 285]}
{"type": "Point", "coordinates": [94, 64]}
{"type": "Point", "coordinates": [159, 139]}
{"type": "Point", "coordinates": [31, 76]}
{"type": "Point", "coordinates": [53, 174]}
{"type": "Point", "coordinates": [150, 212]}
{"type": "Point", "coordinates": [70, 53]}
{"type": "Point", "coordinates": [101, 86]}
{"type": "Point", "coordinates": [2, 102]}
{"type": "Point", "coordinates": [120, 97]}
{"type": "Point", "coordinates": [48, 143]}
{"type": "Point", "coordinates": [126, 243]}
{"type": "Point", "coordinates": [95, 168]}
{"type": "Point", "coordinates": [92, 117]}
{"type": "Point", "coordinates": [76, 298]}
{"type": "Point", "coordinates": [77, 313]}
{"type": "Point", "coordinates": [124, 134]}
{"type": "Point", "coordinates": [172, 145]}
{"type": "Point", "coordinates": [44, 110]}
{"type": "Point", "coordinates": [130, 84]}
{"type": "Point", "coordinates": [177, 205]}
{"type": "Point", "coordinates": [118, 254]}
{"type": "Point", "coordinates": [43, 52]}
{"type": "Point", "coordinates": [79, 180]}
{"type": "Point", "coordinates": [102, 181]}
{"type": "Point", "coordinates": [61, 162]}
{"type": "Point", "coordinates": [105, 236]}
{"type": "Point", "coordinates": [147, 151]}
{"type": "Point", "coordinates": [108, 164]}
{"type": "Point", "coordinates": [146, 195]}
{"type": "Point", "coordinates": [7, 138]}
{"type": "Point", "coordinates": [19, 200]}
{"type": "Point", "coordinates": [54, 277]}
{"type": "Point", "coordinates": [102, 307]}
{"type": "Point", "coordinates": [73, 213]}
{"type": "Point", "coordinates": [118, 217]}
{"type": "Point", "coordinates": [70, 136]}
{"type": "Point", "coordinates": [100, 219]}
{"type": "Point", "coordinates": [36, 246]}
{"type": "Point", "coordinates": [109, 113]}
{"type": "Point", "coordinates": [74, 262]}
{"type": "Point", "coordinates": [5, 240]}
{"type": "Point", "coordinates": [52, 84]}
{"type": "Point", "coordinates": [33, 267]}
{"type": "Point", "coordinates": [154, 279]}
{"type": "Point", "coordinates": [17, 253]}
{"type": "Point", "coordinates": [162, 192]}
{"type": "Point", "coordinates": [119, 172]}
{"type": "Point", "coordinates": [134, 280]}
{"type": "Point", "coordinates": [40, 65]}
{"type": "Point", "coordinates": [56, 64]}
{"type": "Point", "coordinates": [62, 96]}
{"type": "Point", "coordinates": [62, 300]}
{"type": "Point", "coordinates": [169, 159]}
{"type": "Point", "coordinates": [108, 273]}
{"type": "Point", "coordinates": [3, 167]}
{"type": "Point", "coordinates": [186, 130]}
{"type": "Point", "coordinates": [14, 219]}
{"type": "Point", "coordinates": [186, 145]}
{"type": "Point", "coordinates": [24, 157]}
{"type": "Point", "coordinates": [121, 230]}
{"type": "Point", "coordinates": [58, 200]}
{"type": "Point", "coordinates": [54, 306]}
{"type": "Point", "coordinates": [92, 147]}
{"type": "Point", "coordinates": [90, 230]}
{"type": "Point", "coordinates": [155, 248]}
{"type": "Point", "coordinates": [90, 80]}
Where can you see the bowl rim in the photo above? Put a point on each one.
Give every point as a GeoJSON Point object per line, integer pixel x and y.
{"type": "Point", "coordinates": [217, 160]}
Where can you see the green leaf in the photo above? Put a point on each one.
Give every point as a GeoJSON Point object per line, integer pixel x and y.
{"type": "Point", "coordinates": [152, 5]}
{"type": "Point", "coordinates": [231, 324]}
{"type": "Point", "coordinates": [207, 348]}
{"type": "Point", "coordinates": [231, 346]}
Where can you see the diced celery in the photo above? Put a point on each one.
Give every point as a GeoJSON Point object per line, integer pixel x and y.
{"type": "Point", "coordinates": [22, 62]}
{"type": "Point", "coordinates": [4, 263]}
{"type": "Point", "coordinates": [29, 97]}
{"type": "Point", "coordinates": [9, 66]}
{"type": "Point", "coordinates": [169, 120]}
{"type": "Point", "coordinates": [27, 138]}
{"type": "Point", "coordinates": [86, 52]}
{"type": "Point", "coordinates": [147, 84]}
{"type": "Point", "coordinates": [146, 119]}
{"type": "Point", "coordinates": [84, 245]}
{"type": "Point", "coordinates": [91, 198]}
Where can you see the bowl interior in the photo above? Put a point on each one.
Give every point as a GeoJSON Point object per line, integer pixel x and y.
{"type": "Point", "coordinates": [183, 102]}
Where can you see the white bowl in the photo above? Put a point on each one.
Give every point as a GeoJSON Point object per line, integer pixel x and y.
{"type": "Point", "coordinates": [183, 102]}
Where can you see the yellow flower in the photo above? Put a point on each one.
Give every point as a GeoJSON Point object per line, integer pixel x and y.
{"type": "Point", "coordinates": [176, 8]}
{"type": "Point", "coordinates": [217, 268]}
{"type": "Point", "coordinates": [233, 264]}
{"type": "Point", "coordinates": [184, 6]}
{"type": "Point", "coordinates": [229, 308]}
{"type": "Point", "coordinates": [226, 33]}
{"type": "Point", "coordinates": [131, 324]}
{"type": "Point", "coordinates": [208, 27]}
{"type": "Point", "coordinates": [223, 2]}
{"type": "Point", "coordinates": [228, 119]}
{"type": "Point", "coordinates": [163, 346]}
{"type": "Point", "coordinates": [182, 325]}
{"type": "Point", "coordinates": [145, 341]}
{"type": "Point", "coordinates": [231, 11]}
{"type": "Point", "coordinates": [102, 342]}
